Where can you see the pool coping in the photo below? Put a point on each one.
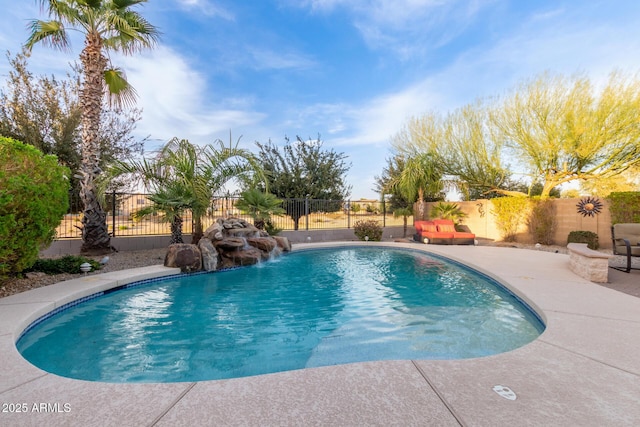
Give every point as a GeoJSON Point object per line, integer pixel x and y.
{"type": "Point", "coordinates": [584, 369]}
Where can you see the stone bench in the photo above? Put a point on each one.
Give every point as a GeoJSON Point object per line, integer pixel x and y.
{"type": "Point", "coordinates": [587, 263]}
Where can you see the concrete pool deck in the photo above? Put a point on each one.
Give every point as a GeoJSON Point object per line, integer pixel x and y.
{"type": "Point", "coordinates": [583, 370]}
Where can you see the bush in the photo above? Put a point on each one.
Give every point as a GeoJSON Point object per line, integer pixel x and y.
{"type": "Point", "coordinates": [33, 199]}
{"type": "Point", "coordinates": [68, 264]}
{"type": "Point", "coordinates": [369, 228]}
{"type": "Point", "coordinates": [542, 221]}
{"type": "Point", "coordinates": [510, 212]}
{"type": "Point", "coordinates": [271, 229]}
{"type": "Point", "coordinates": [588, 237]}
{"type": "Point", "coordinates": [624, 207]}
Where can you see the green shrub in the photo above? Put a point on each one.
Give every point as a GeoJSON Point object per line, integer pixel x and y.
{"type": "Point", "coordinates": [510, 213]}
{"type": "Point", "coordinates": [624, 207]}
{"type": "Point", "coordinates": [66, 264]}
{"type": "Point", "coordinates": [369, 228]}
{"type": "Point", "coordinates": [588, 237]}
{"type": "Point", "coordinates": [33, 199]}
{"type": "Point", "coordinates": [372, 209]}
{"type": "Point", "coordinates": [542, 221]}
{"type": "Point", "coordinates": [270, 228]}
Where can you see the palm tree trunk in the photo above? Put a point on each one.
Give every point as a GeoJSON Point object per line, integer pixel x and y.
{"type": "Point", "coordinates": [421, 203]}
{"type": "Point", "coordinates": [404, 228]}
{"type": "Point", "coordinates": [95, 234]}
{"type": "Point", "coordinates": [176, 230]}
{"type": "Point", "coordinates": [197, 230]}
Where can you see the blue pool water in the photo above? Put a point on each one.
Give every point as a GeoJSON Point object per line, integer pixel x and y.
{"type": "Point", "coordinates": [307, 309]}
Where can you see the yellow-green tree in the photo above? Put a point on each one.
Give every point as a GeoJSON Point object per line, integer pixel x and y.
{"type": "Point", "coordinates": [471, 154]}
{"type": "Point", "coordinates": [468, 154]}
{"type": "Point", "coordinates": [563, 129]}
{"type": "Point", "coordinates": [626, 181]}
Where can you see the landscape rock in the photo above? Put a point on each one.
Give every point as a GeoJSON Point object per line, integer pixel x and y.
{"type": "Point", "coordinates": [209, 254]}
{"type": "Point", "coordinates": [265, 244]}
{"type": "Point", "coordinates": [185, 256]}
{"type": "Point", "coordinates": [214, 231]}
{"type": "Point", "coordinates": [249, 256]}
{"type": "Point", "coordinates": [228, 242]}
{"type": "Point", "coordinates": [283, 243]}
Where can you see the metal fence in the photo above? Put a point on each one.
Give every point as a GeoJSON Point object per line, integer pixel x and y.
{"type": "Point", "coordinates": [301, 214]}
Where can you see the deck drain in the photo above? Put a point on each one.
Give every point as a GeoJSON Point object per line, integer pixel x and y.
{"type": "Point", "coordinates": [505, 392]}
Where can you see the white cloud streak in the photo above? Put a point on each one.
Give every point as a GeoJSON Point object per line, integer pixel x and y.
{"type": "Point", "coordinates": [207, 8]}
{"type": "Point", "coordinates": [177, 102]}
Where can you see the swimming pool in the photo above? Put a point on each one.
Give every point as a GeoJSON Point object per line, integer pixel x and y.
{"type": "Point", "coordinates": [310, 308]}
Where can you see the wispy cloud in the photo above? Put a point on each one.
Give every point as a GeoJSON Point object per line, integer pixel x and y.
{"type": "Point", "coordinates": [206, 7]}
{"type": "Point", "coordinates": [177, 102]}
{"type": "Point", "coordinates": [407, 27]}
{"type": "Point", "coordinates": [265, 58]}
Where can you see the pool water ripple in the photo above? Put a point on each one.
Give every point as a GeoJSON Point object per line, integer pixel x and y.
{"type": "Point", "coordinates": [307, 309]}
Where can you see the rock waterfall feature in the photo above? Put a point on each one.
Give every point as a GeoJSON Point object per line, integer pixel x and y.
{"type": "Point", "coordinates": [227, 243]}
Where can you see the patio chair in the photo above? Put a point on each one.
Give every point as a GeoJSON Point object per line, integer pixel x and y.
{"type": "Point", "coordinates": [626, 242]}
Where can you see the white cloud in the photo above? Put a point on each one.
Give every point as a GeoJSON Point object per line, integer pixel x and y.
{"type": "Point", "coordinates": [206, 7]}
{"type": "Point", "coordinates": [410, 28]}
{"type": "Point", "coordinates": [264, 58]}
{"type": "Point", "coordinates": [177, 102]}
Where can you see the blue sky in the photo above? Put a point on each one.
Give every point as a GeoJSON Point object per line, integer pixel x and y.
{"type": "Point", "coordinates": [352, 71]}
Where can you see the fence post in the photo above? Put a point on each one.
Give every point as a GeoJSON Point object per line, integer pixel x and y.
{"type": "Point", "coordinates": [306, 211]}
{"type": "Point", "coordinates": [348, 213]}
{"type": "Point", "coordinates": [113, 213]}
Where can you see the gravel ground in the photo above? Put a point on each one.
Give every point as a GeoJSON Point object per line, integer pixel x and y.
{"type": "Point", "coordinates": [133, 259]}
{"type": "Point", "coordinates": [117, 261]}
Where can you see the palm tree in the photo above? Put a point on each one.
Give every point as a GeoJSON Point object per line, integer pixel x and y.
{"type": "Point", "coordinates": [171, 203]}
{"type": "Point", "coordinates": [184, 176]}
{"type": "Point", "coordinates": [448, 211]}
{"type": "Point", "coordinates": [421, 176]}
{"type": "Point", "coordinates": [404, 213]}
{"type": "Point", "coordinates": [260, 206]}
{"type": "Point", "coordinates": [107, 25]}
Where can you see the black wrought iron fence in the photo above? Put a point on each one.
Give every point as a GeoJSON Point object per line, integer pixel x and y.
{"type": "Point", "coordinates": [300, 214]}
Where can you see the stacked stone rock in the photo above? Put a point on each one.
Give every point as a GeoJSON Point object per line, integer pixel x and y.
{"type": "Point", "coordinates": [229, 242]}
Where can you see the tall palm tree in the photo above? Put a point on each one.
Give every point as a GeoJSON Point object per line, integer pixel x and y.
{"type": "Point", "coordinates": [107, 25]}
{"type": "Point", "coordinates": [187, 176]}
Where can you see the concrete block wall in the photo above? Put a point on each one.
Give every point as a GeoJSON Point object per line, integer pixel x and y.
{"type": "Point", "coordinates": [481, 221]}
{"type": "Point", "coordinates": [73, 246]}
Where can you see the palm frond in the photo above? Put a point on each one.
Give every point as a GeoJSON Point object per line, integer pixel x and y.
{"type": "Point", "coordinates": [50, 33]}
{"type": "Point", "coordinates": [119, 92]}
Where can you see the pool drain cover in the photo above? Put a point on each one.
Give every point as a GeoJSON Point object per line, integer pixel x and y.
{"type": "Point", "coordinates": [505, 392]}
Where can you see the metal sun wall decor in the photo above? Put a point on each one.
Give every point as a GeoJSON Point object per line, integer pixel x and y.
{"type": "Point", "coordinates": [589, 206]}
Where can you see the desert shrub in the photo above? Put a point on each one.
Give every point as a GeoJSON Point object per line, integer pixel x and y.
{"type": "Point", "coordinates": [33, 199]}
{"type": "Point", "coordinates": [588, 237]}
{"type": "Point", "coordinates": [369, 228]}
{"type": "Point", "coordinates": [624, 207]}
{"type": "Point", "coordinates": [542, 221]}
{"type": "Point", "coordinates": [510, 213]}
{"type": "Point", "coordinates": [66, 264]}
{"type": "Point", "coordinates": [372, 209]}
